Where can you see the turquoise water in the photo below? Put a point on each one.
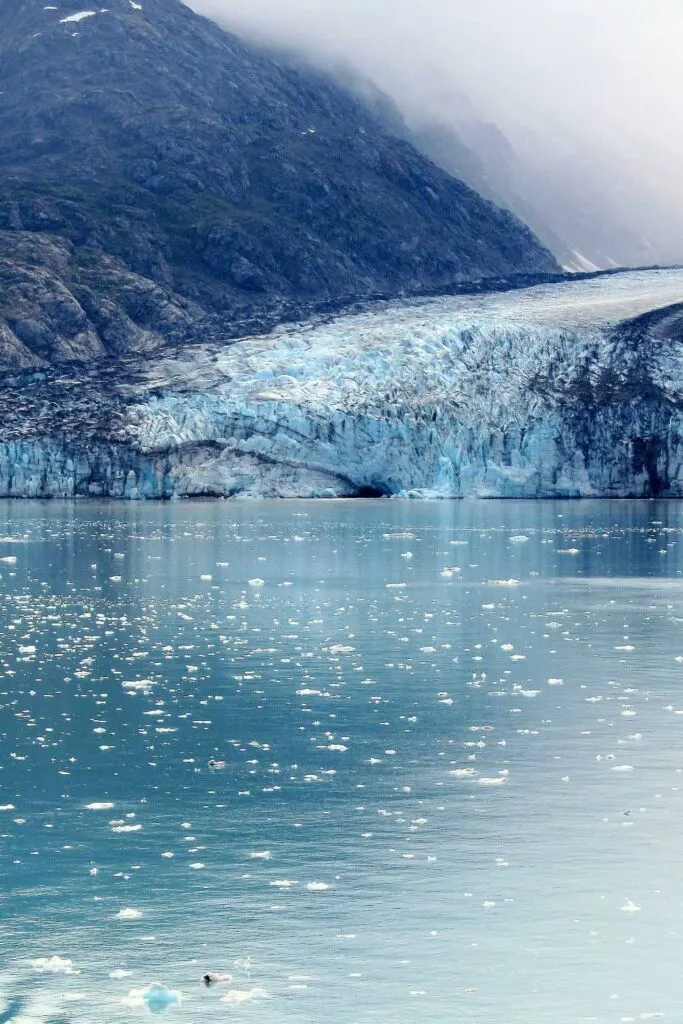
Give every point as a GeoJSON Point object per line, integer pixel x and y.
{"type": "Point", "coordinates": [452, 737]}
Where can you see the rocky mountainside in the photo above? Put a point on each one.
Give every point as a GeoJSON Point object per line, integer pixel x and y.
{"type": "Point", "coordinates": [570, 199]}
{"type": "Point", "coordinates": [160, 180]}
{"type": "Point", "coordinates": [561, 390]}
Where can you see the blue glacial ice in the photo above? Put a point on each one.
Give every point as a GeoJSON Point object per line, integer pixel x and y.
{"type": "Point", "coordinates": [156, 997]}
{"type": "Point", "coordinates": [563, 390]}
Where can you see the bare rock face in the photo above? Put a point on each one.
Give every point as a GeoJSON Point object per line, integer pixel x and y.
{"type": "Point", "coordinates": [54, 309]}
{"type": "Point", "coordinates": [162, 181]}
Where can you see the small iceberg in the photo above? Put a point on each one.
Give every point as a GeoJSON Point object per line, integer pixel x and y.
{"type": "Point", "coordinates": [156, 997]}
{"type": "Point", "coordinates": [53, 965]}
{"type": "Point", "coordinates": [235, 997]}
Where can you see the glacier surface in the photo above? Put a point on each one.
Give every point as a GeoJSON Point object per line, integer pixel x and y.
{"type": "Point", "coordinates": [563, 390]}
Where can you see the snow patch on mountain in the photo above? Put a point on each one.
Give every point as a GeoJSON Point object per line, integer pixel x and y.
{"type": "Point", "coordinates": [75, 18]}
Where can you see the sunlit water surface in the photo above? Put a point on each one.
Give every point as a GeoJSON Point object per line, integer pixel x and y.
{"type": "Point", "coordinates": [453, 747]}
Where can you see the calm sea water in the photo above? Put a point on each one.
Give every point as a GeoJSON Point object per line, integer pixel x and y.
{"type": "Point", "coordinates": [453, 746]}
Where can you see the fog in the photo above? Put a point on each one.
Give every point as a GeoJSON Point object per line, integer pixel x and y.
{"type": "Point", "coordinates": [597, 82]}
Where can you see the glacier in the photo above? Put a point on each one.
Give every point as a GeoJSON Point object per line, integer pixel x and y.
{"type": "Point", "coordinates": [564, 390]}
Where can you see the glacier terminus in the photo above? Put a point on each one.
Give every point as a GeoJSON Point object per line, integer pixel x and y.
{"type": "Point", "coordinates": [558, 390]}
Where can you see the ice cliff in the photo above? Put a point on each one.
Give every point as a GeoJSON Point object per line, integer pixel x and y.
{"type": "Point", "coordinates": [560, 390]}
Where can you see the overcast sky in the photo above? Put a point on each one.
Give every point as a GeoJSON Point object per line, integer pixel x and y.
{"type": "Point", "coordinates": [602, 73]}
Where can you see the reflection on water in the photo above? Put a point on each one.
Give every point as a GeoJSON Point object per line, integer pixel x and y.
{"type": "Point", "coordinates": [447, 761]}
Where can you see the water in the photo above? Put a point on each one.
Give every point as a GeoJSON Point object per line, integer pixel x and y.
{"type": "Point", "coordinates": [453, 729]}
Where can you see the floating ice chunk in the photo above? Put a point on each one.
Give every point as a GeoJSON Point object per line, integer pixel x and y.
{"type": "Point", "coordinates": [317, 886]}
{"type": "Point", "coordinates": [622, 768]}
{"type": "Point", "coordinates": [260, 855]}
{"type": "Point", "coordinates": [99, 807]}
{"type": "Point", "coordinates": [499, 780]}
{"type": "Point", "coordinates": [463, 773]}
{"type": "Point", "coordinates": [126, 828]}
{"type": "Point", "coordinates": [128, 914]}
{"type": "Point", "coordinates": [256, 582]}
{"type": "Point", "coordinates": [519, 538]}
{"type": "Point", "coordinates": [9, 559]}
{"type": "Point", "coordinates": [197, 866]}
{"type": "Point", "coordinates": [156, 997]}
{"type": "Point", "coordinates": [7, 807]}
{"type": "Point", "coordinates": [53, 965]}
{"type": "Point", "coordinates": [235, 997]}
{"type": "Point", "coordinates": [206, 577]}
{"type": "Point", "coordinates": [283, 883]}
{"type": "Point", "coordinates": [630, 907]}
{"type": "Point", "coordinates": [568, 551]}
{"type": "Point", "coordinates": [119, 973]}
{"type": "Point", "coordinates": [212, 978]}
{"type": "Point", "coordinates": [555, 682]}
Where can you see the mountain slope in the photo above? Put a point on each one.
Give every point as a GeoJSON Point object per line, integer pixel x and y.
{"type": "Point", "coordinates": [156, 171]}
{"type": "Point", "coordinates": [587, 222]}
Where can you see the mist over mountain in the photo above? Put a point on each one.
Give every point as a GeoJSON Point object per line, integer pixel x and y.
{"type": "Point", "coordinates": [564, 112]}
